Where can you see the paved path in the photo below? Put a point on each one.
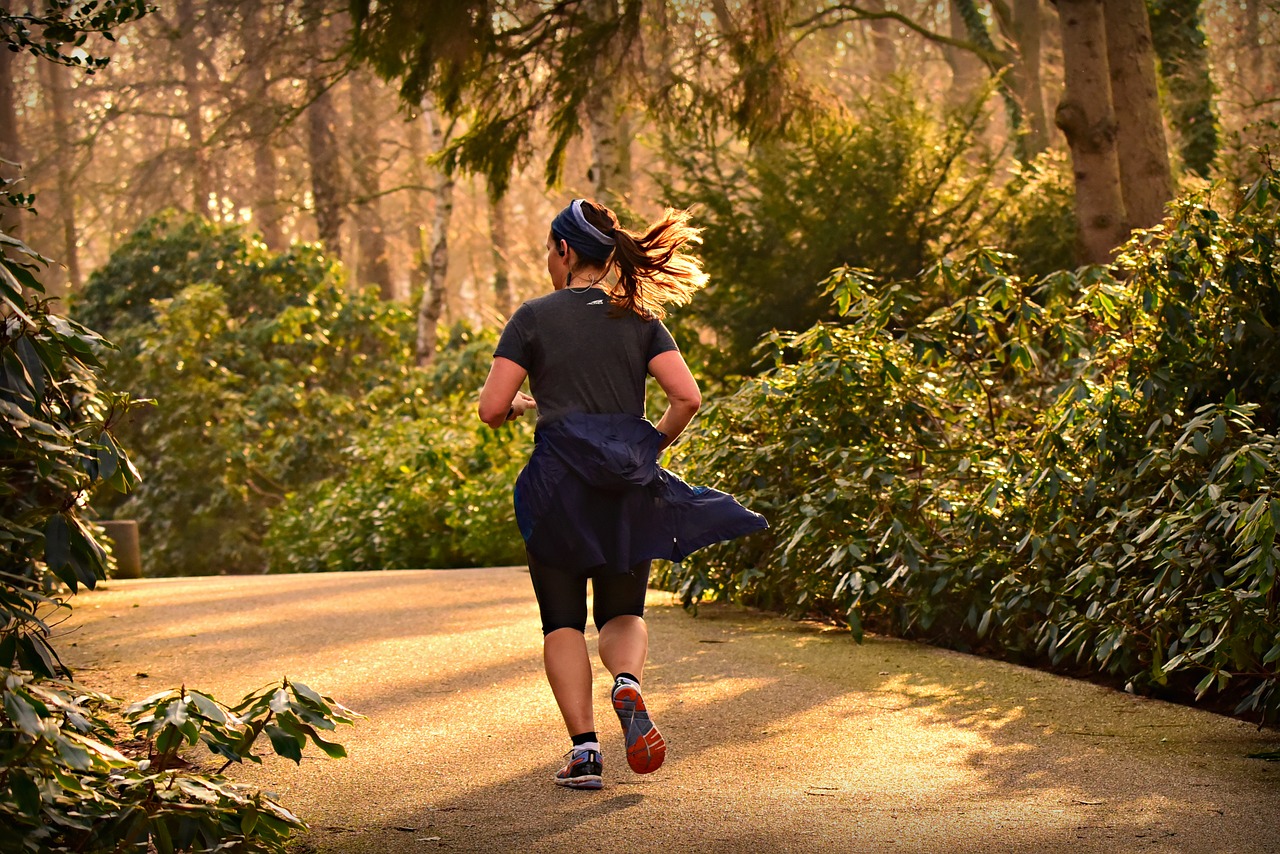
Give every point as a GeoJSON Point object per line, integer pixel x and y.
{"type": "Point", "coordinates": [783, 736]}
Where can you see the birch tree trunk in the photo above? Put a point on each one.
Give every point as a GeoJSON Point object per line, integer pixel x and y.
{"type": "Point", "coordinates": [435, 253]}
{"type": "Point", "coordinates": [189, 47]}
{"type": "Point", "coordinates": [10, 135]}
{"type": "Point", "coordinates": [1028, 30]}
{"type": "Point", "coordinates": [1087, 118]}
{"type": "Point", "coordinates": [53, 79]}
{"type": "Point", "coordinates": [1146, 181]}
{"type": "Point", "coordinates": [610, 148]}
{"type": "Point", "coordinates": [372, 264]}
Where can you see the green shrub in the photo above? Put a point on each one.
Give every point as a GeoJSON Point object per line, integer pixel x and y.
{"type": "Point", "coordinates": [65, 787]}
{"type": "Point", "coordinates": [1078, 470]}
{"type": "Point", "coordinates": [56, 446]}
{"type": "Point", "coordinates": [1035, 218]}
{"type": "Point", "coordinates": [888, 186]}
{"type": "Point", "coordinates": [430, 490]}
{"type": "Point", "coordinates": [261, 371]}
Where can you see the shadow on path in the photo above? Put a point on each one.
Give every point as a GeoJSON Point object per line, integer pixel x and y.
{"type": "Point", "coordinates": [784, 736]}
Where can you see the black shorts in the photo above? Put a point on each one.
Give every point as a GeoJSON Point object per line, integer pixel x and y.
{"type": "Point", "coordinates": [562, 595]}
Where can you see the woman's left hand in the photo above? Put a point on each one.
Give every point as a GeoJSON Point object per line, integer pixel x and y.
{"type": "Point", "coordinates": [521, 404]}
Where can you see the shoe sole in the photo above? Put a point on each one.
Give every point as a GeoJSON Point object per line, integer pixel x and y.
{"type": "Point", "coordinates": [586, 781]}
{"type": "Point", "coordinates": [646, 748]}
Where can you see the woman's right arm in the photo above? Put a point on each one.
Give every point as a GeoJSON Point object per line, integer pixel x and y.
{"type": "Point", "coordinates": [683, 396]}
{"type": "Point", "coordinates": [501, 399]}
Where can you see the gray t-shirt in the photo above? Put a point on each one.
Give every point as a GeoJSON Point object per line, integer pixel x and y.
{"type": "Point", "coordinates": [581, 355]}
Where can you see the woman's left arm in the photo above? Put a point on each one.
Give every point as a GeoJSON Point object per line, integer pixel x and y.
{"type": "Point", "coordinates": [501, 398]}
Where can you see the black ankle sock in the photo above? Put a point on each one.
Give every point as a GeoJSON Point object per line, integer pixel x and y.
{"type": "Point", "coordinates": [584, 738]}
{"type": "Point", "coordinates": [627, 676]}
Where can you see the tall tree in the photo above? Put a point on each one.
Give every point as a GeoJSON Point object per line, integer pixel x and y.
{"type": "Point", "coordinates": [1146, 181]}
{"type": "Point", "coordinates": [189, 45]}
{"type": "Point", "coordinates": [501, 243]}
{"type": "Point", "coordinates": [884, 49]}
{"type": "Point", "coordinates": [1086, 116]}
{"type": "Point", "coordinates": [365, 144]}
{"type": "Point", "coordinates": [1253, 66]}
{"type": "Point", "coordinates": [1027, 26]}
{"type": "Point", "coordinates": [323, 73]}
{"type": "Point", "coordinates": [262, 123]}
{"type": "Point", "coordinates": [998, 62]}
{"type": "Point", "coordinates": [53, 80]}
{"type": "Point", "coordinates": [435, 250]}
{"type": "Point", "coordinates": [1179, 39]}
{"type": "Point", "coordinates": [326, 174]}
{"type": "Point", "coordinates": [11, 153]}
{"type": "Point", "coordinates": [966, 68]}
{"type": "Point", "coordinates": [610, 144]}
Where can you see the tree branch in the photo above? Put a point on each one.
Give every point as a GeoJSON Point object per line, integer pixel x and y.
{"type": "Point", "coordinates": [815, 22]}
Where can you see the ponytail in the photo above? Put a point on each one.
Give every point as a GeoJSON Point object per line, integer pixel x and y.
{"type": "Point", "coordinates": [652, 271]}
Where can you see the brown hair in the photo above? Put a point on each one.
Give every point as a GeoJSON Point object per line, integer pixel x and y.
{"type": "Point", "coordinates": [652, 271]}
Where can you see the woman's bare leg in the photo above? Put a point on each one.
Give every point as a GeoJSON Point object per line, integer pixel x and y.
{"type": "Point", "coordinates": [624, 645]}
{"type": "Point", "coordinates": [568, 666]}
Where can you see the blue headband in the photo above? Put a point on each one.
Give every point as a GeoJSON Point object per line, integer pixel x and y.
{"type": "Point", "coordinates": [587, 240]}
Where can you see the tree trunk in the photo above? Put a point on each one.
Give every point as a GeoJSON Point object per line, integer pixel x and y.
{"type": "Point", "coordinates": [326, 174]}
{"type": "Point", "coordinates": [609, 182]}
{"type": "Point", "coordinates": [189, 45]}
{"type": "Point", "coordinates": [435, 254]}
{"type": "Point", "coordinates": [1087, 118]}
{"type": "Point", "coordinates": [261, 122]}
{"type": "Point", "coordinates": [1146, 182]}
{"type": "Point", "coordinates": [501, 263]}
{"type": "Point", "coordinates": [10, 137]}
{"type": "Point", "coordinates": [1253, 76]}
{"type": "Point", "coordinates": [372, 265]}
{"type": "Point", "coordinates": [419, 193]}
{"type": "Point", "coordinates": [975, 29]}
{"type": "Point", "coordinates": [54, 80]}
{"type": "Point", "coordinates": [1027, 32]}
{"type": "Point", "coordinates": [884, 51]}
{"type": "Point", "coordinates": [966, 68]}
{"type": "Point", "coordinates": [1184, 63]}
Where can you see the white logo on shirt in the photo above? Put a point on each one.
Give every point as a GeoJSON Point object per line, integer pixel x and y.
{"type": "Point", "coordinates": [596, 302]}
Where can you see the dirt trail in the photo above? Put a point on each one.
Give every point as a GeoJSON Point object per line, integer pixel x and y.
{"type": "Point", "coordinates": [783, 736]}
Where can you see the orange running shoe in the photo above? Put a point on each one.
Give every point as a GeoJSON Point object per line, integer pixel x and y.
{"type": "Point", "coordinates": [645, 746]}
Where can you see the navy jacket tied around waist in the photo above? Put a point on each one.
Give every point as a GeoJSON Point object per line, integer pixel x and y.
{"type": "Point", "coordinates": [593, 496]}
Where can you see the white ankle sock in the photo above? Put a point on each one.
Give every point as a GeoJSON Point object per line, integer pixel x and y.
{"type": "Point", "coordinates": [590, 745]}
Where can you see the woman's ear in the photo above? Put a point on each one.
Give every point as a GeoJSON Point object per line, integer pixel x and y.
{"type": "Point", "coordinates": [562, 248]}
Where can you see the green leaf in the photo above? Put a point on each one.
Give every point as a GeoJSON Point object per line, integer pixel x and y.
{"type": "Point", "coordinates": [25, 793]}
{"type": "Point", "coordinates": [22, 713]}
{"type": "Point", "coordinates": [279, 701]}
{"type": "Point", "coordinates": [331, 748]}
{"type": "Point", "coordinates": [284, 744]}
{"type": "Point", "coordinates": [207, 707]}
{"type": "Point", "coordinates": [160, 835]}
{"type": "Point", "coordinates": [57, 542]}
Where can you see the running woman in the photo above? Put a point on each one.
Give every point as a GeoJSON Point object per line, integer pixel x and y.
{"type": "Point", "coordinates": [593, 501]}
